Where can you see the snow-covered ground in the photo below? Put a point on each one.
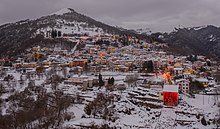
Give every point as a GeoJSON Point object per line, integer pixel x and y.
{"type": "Point", "coordinates": [62, 11]}
{"type": "Point", "coordinates": [180, 117]}
{"type": "Point", "coordinates": [73, 27]}
{"type": "Point", "coordinates": [138, 107]}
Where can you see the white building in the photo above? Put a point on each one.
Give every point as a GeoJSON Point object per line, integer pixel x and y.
{"type": "Point", "coordinates": [186, 75]}
{"type": "Point", "coordinates": [84, 81]}
{"type": "Point", "coordinates": [204, 81]}
{"type": "Point", "coordinates": [183, 85]}
{"type": "Point", "coordinates": [178, 71]}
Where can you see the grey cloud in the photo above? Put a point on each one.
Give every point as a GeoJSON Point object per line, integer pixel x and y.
{"type": "Point", "coordinates": [159, 15]}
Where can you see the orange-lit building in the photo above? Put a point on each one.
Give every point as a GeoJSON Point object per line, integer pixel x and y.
{"type": "Point", "coordinates": [82, 63]}
{"type": "Point", "coordinates": [26, 65]}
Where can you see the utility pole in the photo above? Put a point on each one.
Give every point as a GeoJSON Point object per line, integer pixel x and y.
{"type": "Point", "coordinates": [203, 98]}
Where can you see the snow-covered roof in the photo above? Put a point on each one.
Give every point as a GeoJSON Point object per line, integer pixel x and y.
{"type": "Point", "coordinates": [178, 68]}
{"type": "Point", "coordinates": [109, 73]}
{"type": "Point", "coordinates": [217, 86]}
{"type": "Point", "coordinates": [81, 76]}
{"type": "Point", "coordinates": [185, 73]}
{"type": "Point", "coordinates": [202, 80]}
{"type": "Point", "coordinates": [157, 79]}
{"type": "Point", "coordinates": [161, 52]}
{"type": "Point", "coordinates": [180, 80]}
{"type": "Point", "coordinates": [170, 88]}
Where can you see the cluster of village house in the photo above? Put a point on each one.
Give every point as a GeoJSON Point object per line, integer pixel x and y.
{"type": "Point", "coordinates": [83, 66]}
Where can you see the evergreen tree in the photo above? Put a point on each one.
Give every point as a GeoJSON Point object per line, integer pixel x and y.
{"type": "Point", "coordinates": [203, 121]}
{"type": "Point", "coordinates": [109, 81]}
{"type": "Point", "coordinates": [54, 33]}
{"type": "Point", "coordinates": [148, 66]}
{"type": "Point", "coordinates": [112, 81]}
{"type": "Point", "coordinates": [124, 40]}
{"type": "Point", "coordinates": [208, 63]}
{"type": "Point", "coordinates": [88, 108]}
{"type": "Point", "coordinates": [101, 82]}
{"type": "Point", "coordinates": [195, 58]}
{"type": "Point", "coordinates": [192, 58]}
{"type": "Point", "coordinates": [59, 33]}
{"type": "Point", "coordinates": [195, 86]}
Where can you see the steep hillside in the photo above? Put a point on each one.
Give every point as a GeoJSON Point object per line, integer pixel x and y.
{"type": "Point", "coordinates": [15, 37]}
{"type": "Point", "coordinates": [197, 40]}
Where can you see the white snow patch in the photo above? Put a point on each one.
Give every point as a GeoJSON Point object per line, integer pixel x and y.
{"type": "Point", "coordinates": [62, 11]}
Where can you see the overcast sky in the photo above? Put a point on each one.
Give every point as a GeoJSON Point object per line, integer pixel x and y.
{"type": "Point", "coordinates": [159, 15]}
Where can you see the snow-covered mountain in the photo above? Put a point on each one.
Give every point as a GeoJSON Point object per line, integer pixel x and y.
{"type": "Point", "coordinates": [144, 31]}
{"type": "Point", "coordinates": [63, 11]}
{"type": "Point", "coordinates": [68, 22]}
{"type": "Point", "coordinates": [22, 34]}
{"type": "Point", "coordinates": [201, 40]}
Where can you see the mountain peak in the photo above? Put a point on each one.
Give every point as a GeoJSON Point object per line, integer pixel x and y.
{"type": "Point", "coordinates": [64, 11]}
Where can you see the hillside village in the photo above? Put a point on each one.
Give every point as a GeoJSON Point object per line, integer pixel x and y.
{"type": "Point", "coordinates": [108, 81]}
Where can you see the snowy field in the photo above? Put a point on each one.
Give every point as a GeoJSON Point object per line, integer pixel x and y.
{"type": "Point", "coordinates": [137, 108]}
{"type": "Point", "coordinates": [187, 114]}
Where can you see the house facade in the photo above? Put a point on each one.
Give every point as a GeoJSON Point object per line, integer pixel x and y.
{"type": "Point", "coordinates": [183, 85]}
{"type": "Point", "coordinates": [170, 95]}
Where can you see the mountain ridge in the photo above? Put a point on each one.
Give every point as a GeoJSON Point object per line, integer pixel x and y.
{"type": "Point", "coordinates": [14, 35]}
{"type": "Point", "coordinates": [203, 40]}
